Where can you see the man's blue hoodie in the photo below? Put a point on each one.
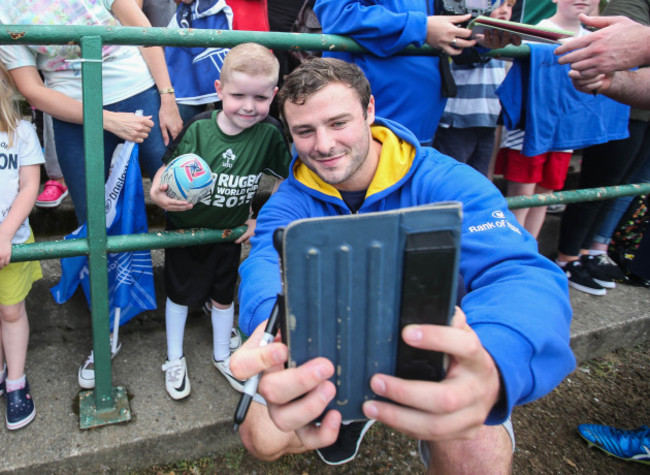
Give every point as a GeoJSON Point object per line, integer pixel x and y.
{"type": "Point", "coordinates": [517, 300]}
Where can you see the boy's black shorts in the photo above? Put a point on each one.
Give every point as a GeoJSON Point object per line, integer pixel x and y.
{"type": "Point", "coordinates": [198, 273]}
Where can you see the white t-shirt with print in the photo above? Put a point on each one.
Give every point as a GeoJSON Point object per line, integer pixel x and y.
{"type": "Point", "coordinates": [24, 150]}
{"type": "Point", "coordinates": [124, 72]}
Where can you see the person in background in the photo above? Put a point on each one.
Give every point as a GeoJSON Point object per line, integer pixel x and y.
{"type": "Point", "coordinates": [599, 64]}
{"type": "Point", "coordinates": [409, 89]}
{"type": "Point", "coordinates": [133, 79]}
{"type": "Point", "coordinates": [467, 128]}
{"type": "Point", "coordinates": [19, 182]}
{"type": "Point", "coordinates": [192, 68]}
{"type": "Point", "coordinates": [547, 171]}
{"type": "Point", "coordinates": [54, 189]}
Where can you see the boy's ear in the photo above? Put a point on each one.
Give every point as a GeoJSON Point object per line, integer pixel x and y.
{"type": "Point", "coordinates": [275, 91]}
{"type": "Point", "coordinates": [218, 88]}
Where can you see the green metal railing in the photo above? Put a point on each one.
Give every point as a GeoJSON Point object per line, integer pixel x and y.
{"type": "Point", "coordinates": [107, 404]}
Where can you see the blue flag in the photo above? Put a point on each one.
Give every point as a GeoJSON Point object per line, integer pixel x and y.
{"type": "Point", "coordinates": [130, 274]}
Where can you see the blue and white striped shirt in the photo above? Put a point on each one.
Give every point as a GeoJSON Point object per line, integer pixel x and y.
{"type": "Point", "coordinates": [476, 104]}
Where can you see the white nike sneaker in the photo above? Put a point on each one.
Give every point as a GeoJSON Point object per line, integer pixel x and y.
{"type": "Point", "coordinates": [235, 340]}
{"type": "Point", "coordinates": [224, 368]}
{"type": "Point", "coordinates": [177, 382]}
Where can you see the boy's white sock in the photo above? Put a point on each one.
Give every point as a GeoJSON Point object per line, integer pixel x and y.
{"type": "Point", "coordinates": [596, 252]}
{"type": "Point", "coordinates": [222, 321]}
{"type": "Point", "coordinates": [175, 318]}
{"type": "Point", "coordinates": [15, 384]}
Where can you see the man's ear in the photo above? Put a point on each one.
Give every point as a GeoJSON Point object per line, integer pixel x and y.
{"type": "Point", "coordinates": [218, 88]}
{"type": "Point", "coordinates": [370, 111]}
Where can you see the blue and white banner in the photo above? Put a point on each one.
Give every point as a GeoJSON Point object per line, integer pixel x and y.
{"type": "Point", "coordinates": [130, 274]}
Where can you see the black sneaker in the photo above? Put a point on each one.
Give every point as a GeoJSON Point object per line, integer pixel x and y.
{"type": "Point", "coordinates": [603, 270]}
{"type": "Point", "coordinates": [579, 278]}
{"type": "Point", "coordinates": [637, 281]}
{"type": "Point", "coordinates": [347, 444]}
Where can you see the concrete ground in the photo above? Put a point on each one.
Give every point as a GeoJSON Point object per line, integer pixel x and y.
{"type": "Point", "coordinates": [163, 430]}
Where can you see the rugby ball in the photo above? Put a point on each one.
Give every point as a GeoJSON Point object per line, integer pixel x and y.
{"type": "Point", "coordinates": [188, 177]}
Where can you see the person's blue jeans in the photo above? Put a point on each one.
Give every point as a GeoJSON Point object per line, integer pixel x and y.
{"type": "Point", "coordinates": [471, 145]}
{"type": "Point", "coordinates": [70, 146]}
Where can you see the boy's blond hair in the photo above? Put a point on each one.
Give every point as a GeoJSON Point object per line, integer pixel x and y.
{"type": "Point", "coordinates": [252, 59]}
{"type": "Point", "coordinates": [9, 113]}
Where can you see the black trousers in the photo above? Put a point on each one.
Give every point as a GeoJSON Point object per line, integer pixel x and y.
{"type": "Point", "coordinates": [607, 164]}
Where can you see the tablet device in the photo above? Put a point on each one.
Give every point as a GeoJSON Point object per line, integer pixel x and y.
{"type": "Point", "coordinates": [352, 282]}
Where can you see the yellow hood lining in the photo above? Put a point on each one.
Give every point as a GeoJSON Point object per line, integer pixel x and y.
{"type": "Point", "coordinates": [394, 163]}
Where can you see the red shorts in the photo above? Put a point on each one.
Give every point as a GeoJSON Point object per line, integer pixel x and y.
{"type": "Point", "coordinates": [548, 170]}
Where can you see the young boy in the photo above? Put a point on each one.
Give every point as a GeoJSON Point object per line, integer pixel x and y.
{"type": "Point", "coordinates": [239, 142]}
{"type": "Point", "coordinates": [468, 124]}
{"type": "Point", "coordinates": [545, 172]}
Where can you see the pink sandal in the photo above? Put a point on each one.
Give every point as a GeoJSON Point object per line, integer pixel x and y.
{"type": "Point", "coordinates": [52, 195]}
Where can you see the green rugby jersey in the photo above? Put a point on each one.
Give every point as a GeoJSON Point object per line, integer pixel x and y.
{"type": "Point", "coordinates": [238, 162]}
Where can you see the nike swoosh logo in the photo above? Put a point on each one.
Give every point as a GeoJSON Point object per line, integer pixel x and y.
{"type": "Point", "coordinates": [182, 386]}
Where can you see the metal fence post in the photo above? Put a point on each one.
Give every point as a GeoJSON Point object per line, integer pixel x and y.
{"type": "Point", "coordinates": [109, 404]}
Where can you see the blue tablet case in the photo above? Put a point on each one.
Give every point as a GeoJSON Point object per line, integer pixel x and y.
{"type": "Point", "coordinates": [343, 282]}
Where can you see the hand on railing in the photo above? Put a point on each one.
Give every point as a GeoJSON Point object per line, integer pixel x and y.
{"type": "Point", "coordinates": [442, 33]}
{"type": "Point", "coordinates": [250, 231]}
